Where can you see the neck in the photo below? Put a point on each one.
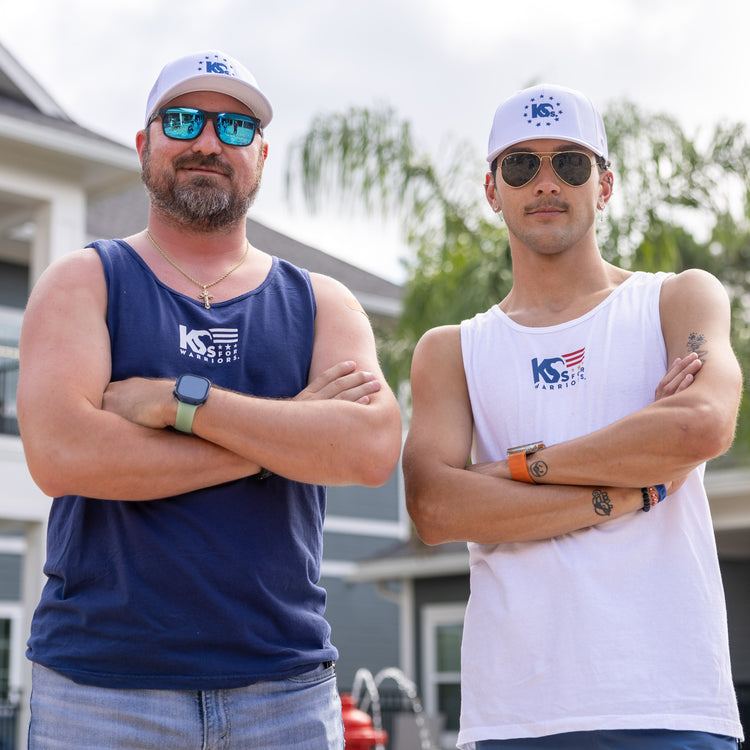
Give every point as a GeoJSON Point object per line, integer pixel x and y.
{"type": "Point", "coordinates": [182, 243]}
{"type": "Point", "coordinates": [552, 289]}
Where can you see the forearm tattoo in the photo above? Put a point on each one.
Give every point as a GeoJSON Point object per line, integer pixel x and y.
{"type": "Point", "coordinates": [697, 343]}
{"type": "Point", "coordinates": [601, 502]}
{"type": "Point", "coordinates": [537, 469]}
{"type": "Point", "coordinates": [599, 498]}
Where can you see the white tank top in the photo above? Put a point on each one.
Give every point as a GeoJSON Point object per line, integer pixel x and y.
{"type": "Point", "coordinates": [620, 626]}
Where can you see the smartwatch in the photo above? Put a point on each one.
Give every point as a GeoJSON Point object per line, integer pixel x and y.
{"type": "Point", "coordinates": [519, 469]}
{"type": "Point", "coordinates": [190, 391]}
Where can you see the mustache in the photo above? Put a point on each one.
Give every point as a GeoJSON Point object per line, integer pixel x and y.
{"type": "Point", "coordinates": [199, 161]}
{"type": "Point", "coordinates": [546, 205]}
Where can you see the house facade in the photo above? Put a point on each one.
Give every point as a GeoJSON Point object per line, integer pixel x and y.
{"type": "Point", "coordinates": [62, 186]}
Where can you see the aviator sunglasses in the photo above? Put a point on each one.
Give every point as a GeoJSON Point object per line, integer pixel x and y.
{"type": "Point", "coordinates": [186, 123]}
{"type": "Point", "coordinates": [520, 168]}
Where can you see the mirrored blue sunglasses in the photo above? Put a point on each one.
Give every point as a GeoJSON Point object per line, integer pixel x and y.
{"type": "Point", "coordinates": [186, 123]}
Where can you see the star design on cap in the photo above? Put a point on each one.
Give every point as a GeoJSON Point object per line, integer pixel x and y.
{"type": "Point", "coordinates": [216, 64]}
{"type": "Point", "coordinates": [550, 111]}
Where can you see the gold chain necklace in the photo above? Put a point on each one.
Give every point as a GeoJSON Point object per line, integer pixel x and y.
{"type": "Point", "coordinates": [204, 295]}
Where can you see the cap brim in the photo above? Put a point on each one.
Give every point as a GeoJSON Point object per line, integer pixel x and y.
{"type": "Point", "coordinates": [494, 154]}
{"type": "Point", "coordinates": [250, 96]}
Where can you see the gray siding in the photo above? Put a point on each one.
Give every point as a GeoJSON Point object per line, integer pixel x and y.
{"type": "Point", "coordinates": [379, 503]}
{"type": "Point", "coordinates": [736, 576]}
{"type": "Point", "coordinates": [14, 285]}
{"type": "Point", "coordinates": [351, 547]}
{"type": "Point", "coordinates": [10, 577]}
{"type": "Point", "coordinates": [364, 629]}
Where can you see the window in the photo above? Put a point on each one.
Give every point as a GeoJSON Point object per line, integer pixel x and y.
{"type": "Point", "coordinates": [10, 332]}
{"type": "Point", "coordinates": [11, 651]}
{"type": "Point", "coordinates": [442, 629]}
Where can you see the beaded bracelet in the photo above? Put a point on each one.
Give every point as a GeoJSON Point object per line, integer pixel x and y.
{"type": "Point", "coordinates": [652, 496]}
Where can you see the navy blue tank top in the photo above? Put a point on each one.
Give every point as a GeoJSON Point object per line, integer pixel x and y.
{"type": "Point", "coordinates": [215, 588]}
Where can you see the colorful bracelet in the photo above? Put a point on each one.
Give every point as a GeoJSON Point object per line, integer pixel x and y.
{"type": "Point", "coordinates": [652, 496]}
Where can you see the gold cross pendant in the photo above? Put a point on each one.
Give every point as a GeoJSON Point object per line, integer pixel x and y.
{"type": "Point", "coordinates": [205, 296]}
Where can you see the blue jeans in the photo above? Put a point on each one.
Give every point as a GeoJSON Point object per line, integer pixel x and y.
{"type": "Point", "coordinates": [620, 739]}
{"type": "Point", "coordinates": [302, 712]}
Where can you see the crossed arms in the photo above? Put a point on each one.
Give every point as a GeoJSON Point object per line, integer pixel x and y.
{"type": "Point", "coordinates": [691, 420]}
{"type": "Point", "coordinates": [84, 435]}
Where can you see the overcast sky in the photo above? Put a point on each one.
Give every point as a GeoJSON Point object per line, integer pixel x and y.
{"type": "Point", "coordinates": [442, 64]}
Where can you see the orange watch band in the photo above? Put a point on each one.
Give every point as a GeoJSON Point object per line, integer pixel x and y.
{"type": "Point", "coordinates": [519, 469]}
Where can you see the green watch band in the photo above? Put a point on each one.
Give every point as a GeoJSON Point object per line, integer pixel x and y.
{"type": "Point", "coordinates": [185, 414]}
{"type": "Point", "coordinates": [190, 391]}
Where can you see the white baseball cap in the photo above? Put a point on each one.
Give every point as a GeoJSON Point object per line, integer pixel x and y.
{"type": "Point", "coordinates": [209, 71]}
{"type": "Point", "coordinates": [547, 111]}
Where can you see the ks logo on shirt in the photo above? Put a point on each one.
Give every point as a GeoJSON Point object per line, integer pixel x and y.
{"type": "Point", "coordinates": [215, 345]}
{"type": "Point", "coordinates": [556, 373]}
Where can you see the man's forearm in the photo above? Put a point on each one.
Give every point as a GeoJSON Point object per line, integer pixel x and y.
{"type": "Point", "coordinates": [329, 441]}
{"type": "Point", "coordinates": [107, 457]}
{"type": "Point", "coordinates": [482, 504]}
{"type": "Point", "coordinates": [663, 442]}
{"type": "Point", "coordinates": [344, 428]}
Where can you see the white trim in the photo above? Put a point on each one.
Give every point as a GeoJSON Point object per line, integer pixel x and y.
{"type": "Point", "coordinates": [366, 527]}
{"type": "Point", "coordinates": [27, 85]}
{"type": "Point", "coordinates": [336, 568]}
{"type": "Point", "coordinates": [399, 568]}
{"type": "Point", "coordinates": [86, 148]}
{"type": "Point", "coordinates": [9, 352]}
{"type": "Point", "coordinates": [407, 620]}
{"type": "Point", "coordinates": [11, 448]}
{"type": "Point", "coordinates": [12, 545]}
{"type": "Point", "coordinates": [433, 616]}
{"type": "Point", "coordinates": [14, 612]}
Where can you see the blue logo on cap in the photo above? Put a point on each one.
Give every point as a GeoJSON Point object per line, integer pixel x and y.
{"type": "Point", "coordinates": [216, 66]}
{"type": "Point", "coordinates": [541, 113]}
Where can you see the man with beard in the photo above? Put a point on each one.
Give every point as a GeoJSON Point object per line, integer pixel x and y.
{"type": "Point", "coordinates": [185, 408]}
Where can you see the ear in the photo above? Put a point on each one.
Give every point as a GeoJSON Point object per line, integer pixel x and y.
{"type": "Point", "coordinates": [265, 150]}
{"type": "Point", "coordinates": [606, 183]}
{"type": "Point", "coordinates": [490, 191]}
{"type": "Point", "coordinates": [140, 143]}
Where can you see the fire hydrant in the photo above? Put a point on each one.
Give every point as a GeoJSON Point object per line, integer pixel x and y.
{"type": "Point", "coordinates": [359, 733]}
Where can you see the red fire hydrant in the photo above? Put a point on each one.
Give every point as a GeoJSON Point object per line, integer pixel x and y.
{"type": "Point", "coordinates": [359, 733]}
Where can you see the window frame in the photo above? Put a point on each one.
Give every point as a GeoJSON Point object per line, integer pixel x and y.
{"type": "Point", "coordinates": [435, 616]}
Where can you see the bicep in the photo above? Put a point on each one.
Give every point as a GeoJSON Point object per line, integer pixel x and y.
{"type": "Point", "coordinates": [342, 329]}
{"type": "Point", "coordinates": [442, 425]}
{"type": "Point", "coordinates": [65, 362]}
{"type": "Point", "coordinates": [695, 314]}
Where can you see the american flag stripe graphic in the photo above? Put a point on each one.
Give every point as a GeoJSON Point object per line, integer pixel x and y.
{"type": "Point", "coordinates": [574, 358]}
{"type": "Point", "coordinates": [224, 335]}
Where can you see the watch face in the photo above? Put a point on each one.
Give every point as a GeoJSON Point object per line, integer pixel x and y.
{"type": "Point", "coordinates": [527, 449]}
{"type": "Point", "coordinates": [192, 389]}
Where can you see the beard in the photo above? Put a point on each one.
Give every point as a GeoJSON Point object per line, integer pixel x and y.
{"type": "Point", "coordinates": [199, 204]}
